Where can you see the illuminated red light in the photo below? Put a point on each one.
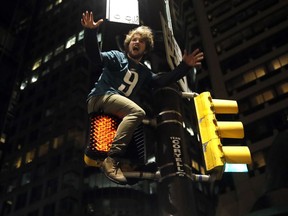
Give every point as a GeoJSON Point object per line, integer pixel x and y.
{"type": "Point", "coordinates": [102, 131]}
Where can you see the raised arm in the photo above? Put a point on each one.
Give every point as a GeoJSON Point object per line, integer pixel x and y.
{"type": "Point", "coordinates": [90, 38]}
{"type": "Point", "coordinates": [188, 61]}
{"type": "Point", "coordinates": [87, 21]}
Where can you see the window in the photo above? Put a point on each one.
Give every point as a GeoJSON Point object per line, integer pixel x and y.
{"type": "Point", "coordinates": [275, 64]}
{"type": "Point", "coordinates": [283, 88]}
{"type": "Point", "coordinates": [69, 56]}
{"type": "Point", "coordinates": [71, 41]}
{"type": "Point", "coordinates": [37, 64]}
{"type": "Point", "coordinates": [58, 2]}
{"type": "Point", "coordinates": [49, 7]}
{"type": "Point", "coordinates": [12, 185]}
{"type": "Point", "coordinates": [34, 78]}
{"type": "Point", "coordinates": [30, 156]}
{"type": "Point", "coordinates": [6, 207]}
{"type": "Point", "coordinates": [57, 142]}
{"type": "Point", "coordinates": [43, 149]}
{"type": "Point", "coordinates": [284, 60]}
{"type": "Point", "coordinates": [268, 95]}
{"type": "Point", "coordinates": [48, 57]}
{"type": "Point", "coordinates": [2, 138]}
{"type": "Point", "coordinates": [45, 71]}
{"type": "Point", "coordinates": [80, 35]}
{"type": "Point", "coordinates": [17, 162]}
{"type": "Point", "coordinates": [26, 178]}
{"type": "Point", "coordinates": [59, 50]}
{"type": "Point", "coordinates": [24, 84]}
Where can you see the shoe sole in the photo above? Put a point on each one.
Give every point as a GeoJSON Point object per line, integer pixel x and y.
{"type": "Point", "coordinates": [91, 162]}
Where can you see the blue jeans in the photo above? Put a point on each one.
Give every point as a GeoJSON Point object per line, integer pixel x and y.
{"type": "Point", "coordinates": [124, 108]}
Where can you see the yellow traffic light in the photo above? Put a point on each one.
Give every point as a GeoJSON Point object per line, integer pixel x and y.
{"type": "Point", "coordinates": [212, 131]}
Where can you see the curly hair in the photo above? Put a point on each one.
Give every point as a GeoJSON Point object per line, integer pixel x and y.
{"type": "Point", "coordinates": [146, 34]}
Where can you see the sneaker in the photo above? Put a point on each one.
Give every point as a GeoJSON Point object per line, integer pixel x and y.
{"type": "Point", "coordinates": [112, 171]}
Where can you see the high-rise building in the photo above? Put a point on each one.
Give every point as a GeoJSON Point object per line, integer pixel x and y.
{"type": "Point", "coordinates": [246, 59]}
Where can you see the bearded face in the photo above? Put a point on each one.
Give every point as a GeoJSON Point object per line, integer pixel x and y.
{"type": "Point", "coordinates": [137, 47]}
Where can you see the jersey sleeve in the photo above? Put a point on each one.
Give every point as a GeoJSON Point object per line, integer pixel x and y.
{"type": "Point", "coordinates": [164, 79]}
{"type": "Point", "coordinates": [92, 47]}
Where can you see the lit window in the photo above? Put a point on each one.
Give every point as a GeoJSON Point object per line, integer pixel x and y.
{"type": "Point", "coordinates": [249, 76]}
{"type": "Point", "coordinates": [260, 71]}
{"type": "Point", "coordinates": [34, 78]}
{"type": "Point", "coordinates": [81, 35]}
{"type": "Point", "coordinates": [284, 60]}
{"type": "Point", "coordinates": [268, 95]}
{"type": "Point", "coordinates": [3, 138]}
{"type": "Point", "coordinates": [48, 57]}
{"type": "Point", "coordinates": [23, 84]}
{"type": "Point", "coordinates": [258, 99]}
{"type": "Point", "coordinates": [58, 2]}
{"type": "Point", "coordinates": [30, 156]}
{"type": "Point", "coordinates": [37, 64]}
{"type": "Point", "coordinates": [283, 88]}
{"type": "Point", "coordinates": [275, 64]}
{"type": "Point", "coordinates": [59, 50]}
{"type": "Point", "coordinates": [71, 41]}
{"type": "Point", "coordinates": [18, 162]}
{"type": "Point", "coordinates": [49, 7]}
{"type": "Point", "coordinates": [57, 142]}
{"type": "Point", "coordinates": [43, 149]}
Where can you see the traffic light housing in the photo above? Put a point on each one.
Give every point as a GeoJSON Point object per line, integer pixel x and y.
{"type": "Point", "coordinates": [102, 131]}
{"type": "Point", "coordinates": [212, 131]}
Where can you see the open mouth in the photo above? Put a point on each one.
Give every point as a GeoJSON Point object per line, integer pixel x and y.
{"type": "Point", "coordinates": [135, 48]}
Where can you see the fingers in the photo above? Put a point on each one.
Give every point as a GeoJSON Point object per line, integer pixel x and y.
{"type": "Point", "coordinates": [193, 59]}
{"type": "Point", "coordinates": [88, 20]}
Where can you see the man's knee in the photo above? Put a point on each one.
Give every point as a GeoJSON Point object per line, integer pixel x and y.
{"type": "Point", "coordinates": [140, 113]}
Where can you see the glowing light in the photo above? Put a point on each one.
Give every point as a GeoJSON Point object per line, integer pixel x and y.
{"type": "Point", "coordinates": [102, 131]}
{"type": "Point", "coordinates": [235, 167]}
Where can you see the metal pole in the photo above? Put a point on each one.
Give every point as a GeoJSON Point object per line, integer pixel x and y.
{"type": "Point", "coordinates": [175, 187]}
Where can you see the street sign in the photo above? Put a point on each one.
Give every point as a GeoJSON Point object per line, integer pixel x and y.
{"type": "Point", "coordinates": [124, 11]}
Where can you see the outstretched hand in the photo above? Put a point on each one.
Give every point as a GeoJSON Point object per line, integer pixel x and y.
{"type": "Point", "coordinates": [194, 59]}
{"type": "Point", "coordinates": [87, 20]}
